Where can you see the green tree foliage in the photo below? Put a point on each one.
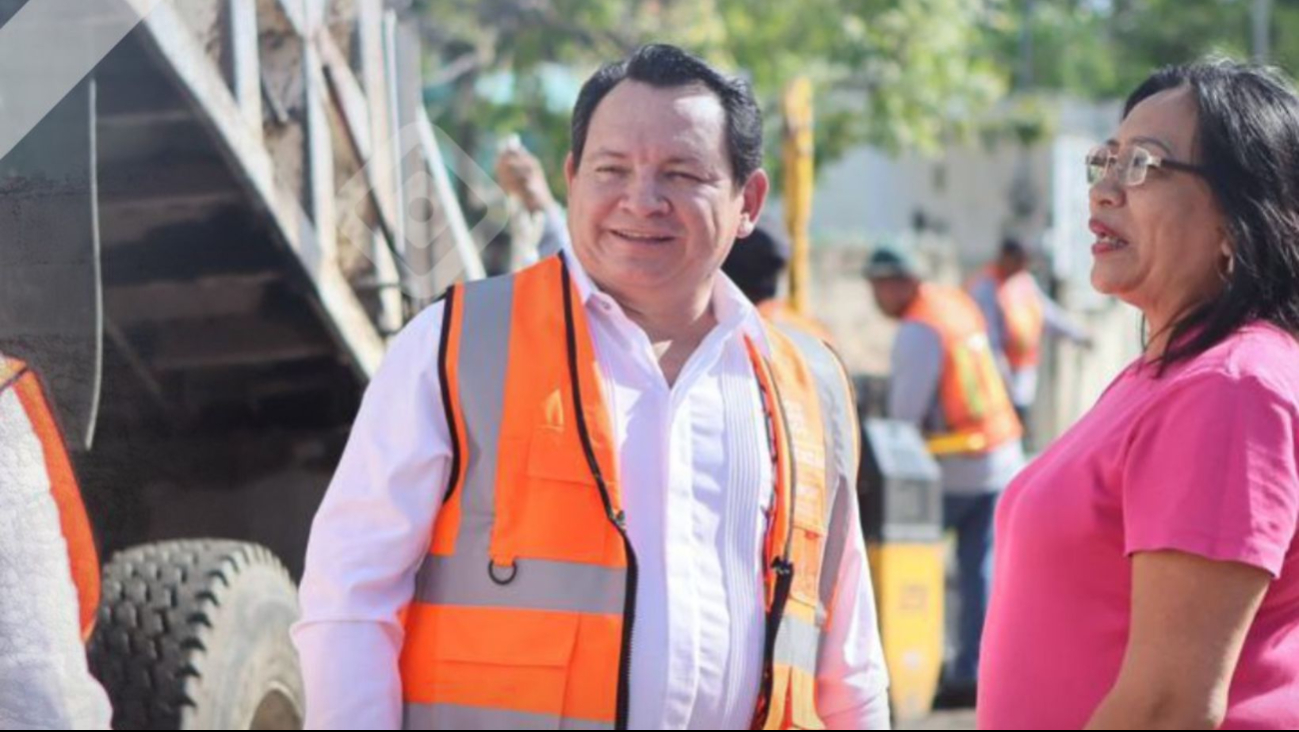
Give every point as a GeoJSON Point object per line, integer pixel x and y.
{"type": "Point", "coordinates": [897, 73]}
{"type": "Point", "coordinates": [901, 74]}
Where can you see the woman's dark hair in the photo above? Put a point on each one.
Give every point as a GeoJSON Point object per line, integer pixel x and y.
{"type": "Point", "coordinates": [667, 67]}
{"type": "Point", "coordinates": [1248, 146]}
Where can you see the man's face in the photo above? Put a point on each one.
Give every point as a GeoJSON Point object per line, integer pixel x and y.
{"type": "Point", "coordinates": [1011, 263]}
{"type": "Point", "coordinates": [653, 206]}
{"type": "Point", "coordinates": [893, 295]}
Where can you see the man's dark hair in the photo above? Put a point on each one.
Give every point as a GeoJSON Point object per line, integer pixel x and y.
{"type": "Point", "coordinates": [1013, 247]}
{"type": "Point", "coordinates": [668, 67]}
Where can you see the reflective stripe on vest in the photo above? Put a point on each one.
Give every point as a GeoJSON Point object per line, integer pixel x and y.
{"type": "Point", "coordinates": [83, 558]}
{"type": "Point", "coordinates": [976, 405]}
{"type": "Point", "coordinates": [524, 605]}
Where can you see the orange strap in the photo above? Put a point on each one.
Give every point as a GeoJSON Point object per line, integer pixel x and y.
{"type": "Point", "coordinates": [74, 522]}
{"type": "Point", "coordinates": [781, 520]}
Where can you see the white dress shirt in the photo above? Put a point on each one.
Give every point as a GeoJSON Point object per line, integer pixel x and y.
{"type": "Point", "coordinates": [696, 478]}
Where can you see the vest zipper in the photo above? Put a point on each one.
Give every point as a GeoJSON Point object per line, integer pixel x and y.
{"type": "Point", "coordinates": [617, 518]}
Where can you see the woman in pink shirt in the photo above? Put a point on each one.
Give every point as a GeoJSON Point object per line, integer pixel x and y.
{"type": "Point", "coordinates": [1147, 566]}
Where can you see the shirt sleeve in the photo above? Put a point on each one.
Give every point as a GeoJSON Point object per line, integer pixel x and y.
{"type": "Point", "coordinates": [1211, 471]}
{"type": "Point", "coordinates": [1058, 323]}
{"type": "Point", "coordinates": [917, 366]}
{"type": "Point", "coordinates": [45, 682]}
{"type": "Point", "coordinates": [369, 537]}
{"type": "Point", "coordinates": [852, 679]}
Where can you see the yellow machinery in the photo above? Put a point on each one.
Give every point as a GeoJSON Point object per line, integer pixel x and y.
{"type": "Point", "coordinates": [901, 490]}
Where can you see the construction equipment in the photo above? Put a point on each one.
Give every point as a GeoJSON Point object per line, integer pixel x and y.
{"type": "Point", "coordinates": [207, 235]}
{"type": "Point", "coordinates": [901, 489]}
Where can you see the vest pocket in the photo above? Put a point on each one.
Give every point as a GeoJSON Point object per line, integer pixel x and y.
{"type": "Point", "coordinates": [560, 512]}
{"type": "Point", "coordinates": [556, 454]}
{"type": "Point", "coordinates": [513, 664]}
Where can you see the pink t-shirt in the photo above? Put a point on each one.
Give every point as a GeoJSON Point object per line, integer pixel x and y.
{"type": "Point", "coordinates": [1202, 461]}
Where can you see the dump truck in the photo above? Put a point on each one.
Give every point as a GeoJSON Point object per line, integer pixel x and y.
{"type": "Point", "coordinates": [213, 215]}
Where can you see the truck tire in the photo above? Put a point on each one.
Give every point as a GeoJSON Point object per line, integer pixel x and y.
{"type": "Point", "coordinates": [195, 635]}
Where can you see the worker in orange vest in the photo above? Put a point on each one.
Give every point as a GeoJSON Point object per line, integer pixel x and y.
{"type": "Point", "coordinates": [1020, 316]}
{"type": "Point", "coordinates": [756, 265]}
{"type": "Point", "coordinates": [944, 379]}
{"type": "Point", "coordinates": [601, 492]}
{"type": "Point", "coordinates": [49, 569]}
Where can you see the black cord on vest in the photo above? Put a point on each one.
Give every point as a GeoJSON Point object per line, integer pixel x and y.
{"type": "Point", "coordinates": [618, 518]}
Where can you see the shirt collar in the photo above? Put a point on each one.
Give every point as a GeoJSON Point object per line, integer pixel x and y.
{"type": "Point", "coordinates": [731, 307]}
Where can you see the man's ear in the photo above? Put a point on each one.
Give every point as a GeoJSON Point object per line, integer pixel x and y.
{"type": "Point", "coordinates": [754, 194]}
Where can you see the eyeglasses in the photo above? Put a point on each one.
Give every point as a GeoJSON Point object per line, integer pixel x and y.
{"type": "Point", "coordinates": [1131, 164]}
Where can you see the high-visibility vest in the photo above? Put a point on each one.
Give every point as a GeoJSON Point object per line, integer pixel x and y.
{"type": "Point", "coordinates": [1025, 318]}
{"type": "Point", "coordinates": [524, 607]}
{"type": "Point", "coordinates": [780, 313]}
{"type": "Point", "coordinates": [17, 378]}
{"type": "Point", "coordinates": [975, 403]}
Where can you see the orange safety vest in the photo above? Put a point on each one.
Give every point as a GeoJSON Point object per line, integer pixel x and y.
{"type": "Point", "coordinates": [976, 406]}
{"type": "Point", "coordinates": [75, 525]}
{"type": "Point", "coordinates": [780, 313]}
{"type": "Point", "coordinates": [1025, 316]}
{"type": "Point", "coordinates": [524, 607]}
